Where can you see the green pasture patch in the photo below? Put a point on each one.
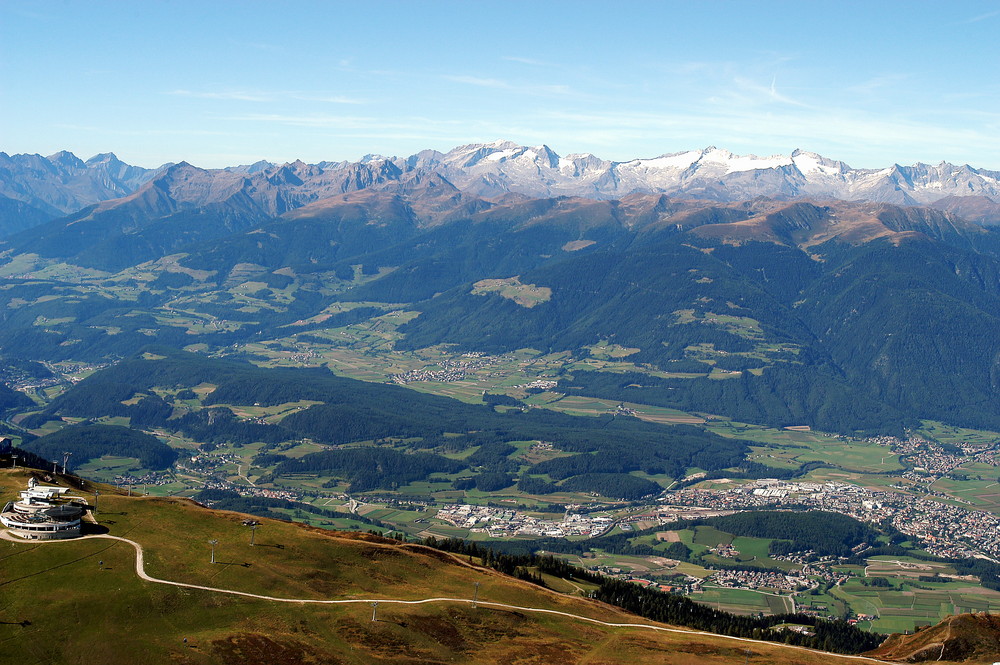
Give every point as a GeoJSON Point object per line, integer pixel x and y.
{"type": "Point", "coordinates": [104, 469]}
{"type": "Point", "coordinates": [720, 374]}
{"type": "Point", "coordinates": [854, 456]}
{"type": "Point", "coordinates": [779, 458]}
{"type": "Point", "coordinates": [753, 547]}
{"type": "Point", "coordinates": [943, 433]}
{"type": "Point", "coordinates": [743, 326]}
{"type": "Point", "coordinates": [684, 316]}
{"type": "Point", "coordinates": [687, 537]}
{"type": "Point", "coordinates": [439, 530]}
{"type": "Point", "coordinates": [663, 415]}
{"type": "Point", "coordinates": [577, 405]}
{"type": "Point", "coordinates": [981, 491]}
{"type": "Point", "coordinates": [120, 421]}
{"type": "Point", "coordinates": [737, 601]}
{"type": "Point", "coordinates": [51, 392]}
{"type": "Point", "coordinates": [45, 322]}
{"type": "Point", "coordinates": [299, 449]}
{"type": "Point", "coordinates": [779, 604]}
{"type": "Point", "coordinates": [777, 437]}
{"type": "Point", "coordinates": [49, 427]}
{"type": "Point", "coordinates": [522, 448]}
{"type": "Point", "coordinates": [271, 414]}
{"type": "Point", "coordinates": [468, 391]}
{"type": "Point", "coordinates": [692, 569]}
{"type": "Point", "coordinates": [710, 536]}
{"type": "Point", "coordinates": [607, 351]}
{"type": "Point", "coordinates": [420, 488]}
{"type": "Point", "coordinates": [176, 488]}
{"type": "Point", "coordinates": [891, 562]}
{"type": "Point", "coordinates": [394, 515]}
{"type": "Point", "coordinates": [22, 264]}
{"type": "Point", "coordinates": [65, 272]}
{"type": "Point", "coordinates": [896, 599]}
{"type": "Point", "coordinates": [511, 288]}
{"type": "Point", "coordinates": [893, 624]}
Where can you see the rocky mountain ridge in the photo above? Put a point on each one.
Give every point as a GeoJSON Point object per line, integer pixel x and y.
{"type": "Point", "coordinates": [496, 168]}
{"type": "Point", "coordinates": [62, 183]}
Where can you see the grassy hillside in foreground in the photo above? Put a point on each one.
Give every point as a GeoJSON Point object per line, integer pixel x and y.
{"type": "Point", "coordinates": [58, 603]}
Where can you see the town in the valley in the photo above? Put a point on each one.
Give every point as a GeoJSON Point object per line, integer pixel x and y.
{"type": "Point", "coordinates": [942, 525]}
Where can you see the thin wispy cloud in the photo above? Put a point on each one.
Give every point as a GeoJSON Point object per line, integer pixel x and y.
{"type": "Point", "coordinates": [499, 84]}
{"type": "Point", "coordinates": [981, 17]}
{"type": "Point", "coordinates": [481, 82]}
{"type": "Point", "coordinates": [877, 83]}
{"type": "Point", "coordinates": [258, 46]}
{"type": "Point", "coordinates": [765, 93]}
{"type": "Point", "coordinates": [235, 95]}
{"type": "Point", "coordinates": [259, 96]}
{"type": "Point", "coordinates": [319, 120]}
{"type": "Point", "coordinates": [119, 131]}
{"type": "Point", "coordinates": [328, 99]}
{"type": "Point", "coordinates": [527, 61]}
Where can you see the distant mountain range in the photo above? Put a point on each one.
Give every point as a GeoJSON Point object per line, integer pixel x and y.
{"type": "Point", "coordinates": [33, 187]}
{"type": "Point", "coordinates": [496, 168]}
{"type": "Point", "coordinates": [845, 315]}
{"type": "Point", "coordinates": [62, 183]}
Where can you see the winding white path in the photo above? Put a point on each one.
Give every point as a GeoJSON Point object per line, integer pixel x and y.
{"type": "Point", "coordinates": [140, 570]}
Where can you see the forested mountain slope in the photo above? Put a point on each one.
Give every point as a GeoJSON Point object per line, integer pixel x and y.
{"type": "Point", "coordinates": [843, 316]}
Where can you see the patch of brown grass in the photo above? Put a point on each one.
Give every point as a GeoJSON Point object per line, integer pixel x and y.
{"type": "Point", "coordinates": [257, 649]}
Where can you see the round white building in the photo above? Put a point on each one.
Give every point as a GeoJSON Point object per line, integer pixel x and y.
{"type": "Point", "coordinates": [44, 512]}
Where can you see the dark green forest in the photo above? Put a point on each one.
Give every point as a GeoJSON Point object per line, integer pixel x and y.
{"type": "Point", "coordinates": [87, 442]}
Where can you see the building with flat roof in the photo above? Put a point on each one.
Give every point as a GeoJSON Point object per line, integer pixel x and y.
{"type": "Point", "coordinates": [44, 512]}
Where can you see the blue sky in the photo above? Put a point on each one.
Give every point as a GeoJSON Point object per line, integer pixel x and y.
{"type": "Point", "coordinates": [219, 83]}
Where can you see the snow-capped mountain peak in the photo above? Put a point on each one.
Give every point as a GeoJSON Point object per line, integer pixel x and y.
{"type": "Point", "coordinates": [62, 183]}
{"type": "Point", "coordinates": [499, 167]}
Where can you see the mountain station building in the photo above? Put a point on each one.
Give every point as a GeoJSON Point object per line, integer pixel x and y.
{"type": "Point", "coordinates": [44, 512]}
